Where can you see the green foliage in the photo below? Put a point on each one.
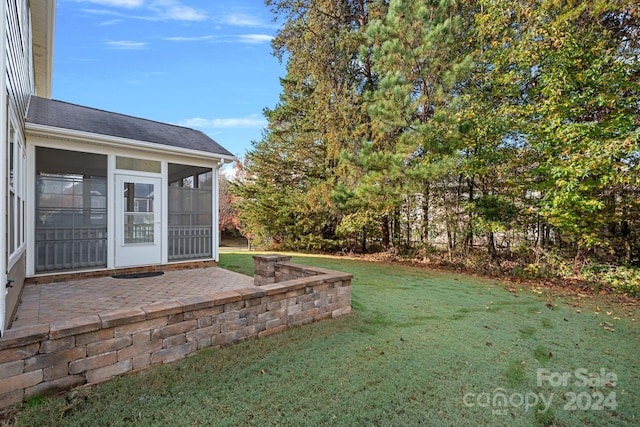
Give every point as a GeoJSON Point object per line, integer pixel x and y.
{"type": "Point", "coordinates": [454, 124]}
{"type": "Point", "coordinates": [493, 213]}
{"type": "Point", "coordinates": [622, 278]}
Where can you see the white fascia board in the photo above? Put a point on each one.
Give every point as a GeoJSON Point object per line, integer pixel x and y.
{"type": "Point", "coordinates": [114, 141]}
{"type": "Point", "coordinates": [51, 27]}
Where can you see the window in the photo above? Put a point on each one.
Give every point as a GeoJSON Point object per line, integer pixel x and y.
{"type": "Point", "coordinates": [16, 159]}
{"type": "Point", "coordinates": [141, 165]}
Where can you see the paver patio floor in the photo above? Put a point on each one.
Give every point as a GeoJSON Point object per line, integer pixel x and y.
{"type": "Point", "coordinates": [44, 303]}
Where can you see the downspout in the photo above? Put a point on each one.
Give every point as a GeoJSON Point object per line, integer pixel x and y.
{"type": "Point", "coordinates": [4, 291]}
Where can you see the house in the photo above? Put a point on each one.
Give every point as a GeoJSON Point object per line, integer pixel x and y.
{"type": "Point", "coordinates": [86, 189]}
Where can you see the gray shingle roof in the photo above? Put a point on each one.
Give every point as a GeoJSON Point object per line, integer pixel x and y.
{"type": "Point", "coordinates": [63, 115]}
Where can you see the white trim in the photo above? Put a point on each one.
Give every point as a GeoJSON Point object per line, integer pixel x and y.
{"type": "Point", "coordinates": [215, 213]}
{"type": "Point", "coordinates": [51, 27]}
{"type": "Point", "coordinates": [30, 216]}
{"type": "Point", "coordinates": [105, 149]}
{"type": "Point", "coordinates": [164, 186]}
{"type": "Point", "coordinates": [19, 190]}
{"type": "Point", "coordinates": [125, 143]}
{"type": "Point", "coordinates": [3, 165]}
{"type": "Point", "coordinates": [132, 255]}
{"type": "Point", "coordinates": [111, 152]}
{"type": "Point", "coordinates": [111, 212]}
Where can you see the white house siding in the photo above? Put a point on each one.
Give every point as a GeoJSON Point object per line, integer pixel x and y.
{"type": "Point", "coordinates": [17, 66]}
{"type": "Point", "coordinates": [19, 58]}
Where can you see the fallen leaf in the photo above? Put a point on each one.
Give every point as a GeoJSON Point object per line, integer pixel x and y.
{"type": "Point", "coordinates": [609, 313]}
{"type": "Point", "coordinates": [488, 344]}
{"type": "Point", "coordinates": [606, 352]}
{"type": "Point", "coordinates": [578, 311]}
{"type": "Point", "coordinates": [382, 352]}
{"type": "Point", "coordinates": [504, 352]}
{"type": "Point", "coordinates": [598, 309]}
{"type": "Point", "coordinates": [609, 329]}
{"type": "Point", "coordinates": [609, 324]}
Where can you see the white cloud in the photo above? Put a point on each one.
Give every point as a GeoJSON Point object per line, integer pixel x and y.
{"type": "Point", "coordinates": [252, 121]}
{"type": "Point", "coordinates": [190, 39]}
{"type": "Point", "coordinates": [243, 38]}
{"type": "Point", "coordinates": [241, 20]}
{"type": "Point", "coordinates": [174, 11]}
{"type": "Point", "coordinates": [112, 22]}
{"type": "Point", "coordinates": [255, 38]}
{"type": "Point", "coordinates": [126, 44]}
{"type": "Point", "coordinates": [129, 4]}
{"type": "Point", "coordinates": [156, 10]}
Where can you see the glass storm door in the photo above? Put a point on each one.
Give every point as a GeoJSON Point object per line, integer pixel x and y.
{"type": "Point", "coordinates": [138, 221]}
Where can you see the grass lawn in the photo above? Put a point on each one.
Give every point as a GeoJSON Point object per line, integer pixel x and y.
{"type": "Point", "coordinates": [420, 348]}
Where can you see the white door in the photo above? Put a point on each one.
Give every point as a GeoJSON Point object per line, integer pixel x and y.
{"type": "Point", "coordinates": [138, 235]}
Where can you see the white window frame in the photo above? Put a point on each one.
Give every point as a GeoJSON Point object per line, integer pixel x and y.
{"type": "Point", "coordinates": [16, 186]}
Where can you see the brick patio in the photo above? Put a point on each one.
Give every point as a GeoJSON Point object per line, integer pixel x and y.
{"type": "Point", "coordinates": [50, 302]}
{"type": "Point", "coordinates": [81, 331]}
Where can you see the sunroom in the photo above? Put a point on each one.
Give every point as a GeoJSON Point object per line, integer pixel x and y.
{"type": "Point", "coordinates": [113, 191]}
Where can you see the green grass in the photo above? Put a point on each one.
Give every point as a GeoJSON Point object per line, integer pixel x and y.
{"type": "Point", "coordinates": [418, 345]}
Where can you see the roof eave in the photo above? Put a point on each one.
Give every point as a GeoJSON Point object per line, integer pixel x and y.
{"type": "Point", "coordinates": [35, 129]}
{"type": "Point", "coordinates": [43, 30]}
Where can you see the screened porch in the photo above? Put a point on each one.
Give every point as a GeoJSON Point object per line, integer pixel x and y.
{"type": "Point", "coordinates": [72, 218]}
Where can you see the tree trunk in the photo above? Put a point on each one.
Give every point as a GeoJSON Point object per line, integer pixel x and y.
{"type": "Point", "coordinates": [425, 214]}
{"type": "Point", "coordinates": [626, 235]}
{"type": "Point", "coordinates": [385, 232]}
{"type": "Point", "coordinates": [580, 259]}
{"type": "Point", "coordinates": [468, 239]}
{"type": "Point", "coordinates": [491, 246]}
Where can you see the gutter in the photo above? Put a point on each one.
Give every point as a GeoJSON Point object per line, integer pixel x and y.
{"type": "Point", "coordinates": [33, 129]}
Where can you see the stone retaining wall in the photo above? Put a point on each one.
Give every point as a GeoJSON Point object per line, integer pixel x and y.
{"type": "Point", "coordinates": [49, 358]}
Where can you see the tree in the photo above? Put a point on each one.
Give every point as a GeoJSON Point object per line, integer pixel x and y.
{"type": "Point", "coordinates": [292, 170]}
{"type": "Point", "coordinates": [228, 217]}
{"type": "Point", "coordinates": [414, 132]}
{"type": "Point", "coordinates": [567, 73]}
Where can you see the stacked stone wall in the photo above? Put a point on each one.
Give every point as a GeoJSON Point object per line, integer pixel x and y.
{"type": "Point", "coordinates": [50, 358]}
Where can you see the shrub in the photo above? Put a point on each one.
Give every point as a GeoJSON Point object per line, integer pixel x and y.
{"type": "Point", "coordinates": [622, 279]}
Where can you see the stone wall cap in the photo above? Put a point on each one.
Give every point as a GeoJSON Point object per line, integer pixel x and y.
{"type": "Point", "coordinates": [78, 325]}
{"type": "Point", "coordinates": [272, 257]}
{"type": "Point", "coordinates": [164, 308]}
{"type": "Point", "coordinates": [249, 293]}
{"type": "Point", "coordinates": [197, 302]}
{"type": "Point", "coordinates": [226, 297]}
{"type": "Point", "coordinates": [121, 317]}
{"type": "Point", "coordinates": [24, 336]}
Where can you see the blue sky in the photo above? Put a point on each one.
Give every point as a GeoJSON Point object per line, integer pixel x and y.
{"type": "Point", "coordinates": [204, 64]}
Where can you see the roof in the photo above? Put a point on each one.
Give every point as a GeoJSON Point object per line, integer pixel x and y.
{"type": "Point", "coordinates": [63, 115]}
